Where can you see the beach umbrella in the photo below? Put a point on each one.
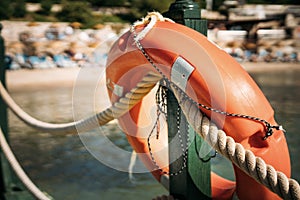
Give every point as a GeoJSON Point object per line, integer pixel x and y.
{"type": "Point", "coordinates": [250, 46]}
{"type": "Point", "coordinates": [55, 25]}
{"type": "Point", "coordinates": [32, 23]}
{"type": "Point", "coordinates": [76, 25]}
{"type": "Point", "coordinates": [98, 26]}
{"type": "Point", "coordinates": [234, 44]}
{"type": "Point", "coordinates": [93, 44]}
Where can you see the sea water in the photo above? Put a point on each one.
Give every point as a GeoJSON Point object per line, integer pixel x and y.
{"type": "Point", "coordinates": [64, 167]}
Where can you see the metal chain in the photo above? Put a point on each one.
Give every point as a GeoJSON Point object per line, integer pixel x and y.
{"type": "Point", "coordinates": [161, 109]}
{"type": "Point", "coordinates": [161, 96]}
{"type": "Point", "coordinates": [268, 126]}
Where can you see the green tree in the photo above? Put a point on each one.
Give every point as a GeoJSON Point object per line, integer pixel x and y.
{"type": "Point", "coordinates": [145, 6]}
{"type": "Point", "coordinates": [5, 9]}
{"type": "Point", "coordinates": [217, 4]}
{"type": "Point", "coordinates": [105, 3]}
{"type": "Point", "coordinates": [33, 1]}
{"type": "Point", "coordinates": [202, 3]}
{"type": "Point", "coordinates": [78, 11]}
{"type": "Point", "coordinates": [141, 7]}
{"type": "Point", "coordinates": [19, 8]}
{"type": "Point", "coordinates": [46, 6]}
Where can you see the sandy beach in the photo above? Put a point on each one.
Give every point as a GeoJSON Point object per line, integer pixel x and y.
{"type": "Point", "coordinates": [39, 78]}
{"type": "Point", "coordinates": [272, 66]}
{"type": "Point", "coordinates": [61, 151]}
{"type": "Point", "coordinates": [25, 79]}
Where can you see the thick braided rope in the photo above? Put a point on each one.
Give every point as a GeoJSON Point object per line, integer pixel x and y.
{"type": "Point", "coordinates": [235, 152]}
{"type": "Point", "coordinates": [244, 159]}
{"type": "Point", "coordinates": [254, 166]}
{"type": "Point", "coordinates": [118, 109]}
{"type": "Point", "coordinates": [31, 187]}
{"type": "Point", "coordinates": [150, 20]}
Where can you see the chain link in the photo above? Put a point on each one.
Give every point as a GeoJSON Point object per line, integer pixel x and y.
{"type": "Point", "coordinates": [269, 128]}
{"type": "Point", "coordinates": [161, 96]}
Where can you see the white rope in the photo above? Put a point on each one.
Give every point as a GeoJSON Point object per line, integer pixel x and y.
{"type": "Point", "coordinates": [150, 20]}
{"type": "Point", "coordinates": [246, 160]}
{"type": "Point", "coordinates": [115, 111]}
{"type": "Point", "coordinates": [118, 109]}
{"type": "Point", "coordinates": [32, 188]}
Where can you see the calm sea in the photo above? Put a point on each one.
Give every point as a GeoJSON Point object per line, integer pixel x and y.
{"type": "Point", "coordinates": [61, 165]}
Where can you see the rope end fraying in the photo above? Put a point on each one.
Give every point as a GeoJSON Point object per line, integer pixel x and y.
{"type": "Point", "coordinates": [280, 127]}
{"type": "Point", "coordinates": [150, 20]}
{"type": "Point", "coordinates": [270, 130]}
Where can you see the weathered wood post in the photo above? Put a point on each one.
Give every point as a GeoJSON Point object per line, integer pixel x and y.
{"type": "Point", "coordinates": [3, 110]}
{"type": "Point", "coordinates": [11, 188]}
{"type": "Point", "coordinates": [194, 180]}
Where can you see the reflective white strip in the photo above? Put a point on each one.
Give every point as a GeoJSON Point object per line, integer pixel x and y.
{"type": "Point", "coordinates": [118, 90]}
{"type": "Point", "coordinates": [181, 71]}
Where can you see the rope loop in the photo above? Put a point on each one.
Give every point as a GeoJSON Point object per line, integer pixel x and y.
{"type": "Point", "coordinates": [270, 129]}
{"type": "Point", "coordinates": [150, 20]}
{"type": "Point", "coordinates": [224, 144]}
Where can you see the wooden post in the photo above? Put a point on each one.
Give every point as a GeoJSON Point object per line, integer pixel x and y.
{"type": "Point", "coordinates": [11, 188]}
{"type": "Point", "coordinates": [3, 111]}
{"type": "Point", "coordinates": [194, 180]}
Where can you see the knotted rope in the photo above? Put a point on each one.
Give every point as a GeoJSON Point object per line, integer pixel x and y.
{"type": "Point", "coordinates": [225, 145]}
{"type": "Point", "coordinates": [114, 112]}
{"type": "Point", "coordinates": [118, 109]}
{"type": "Point", "coordinates": [150, 20]}
{"type": "Point", "coordinates": [246, 160]}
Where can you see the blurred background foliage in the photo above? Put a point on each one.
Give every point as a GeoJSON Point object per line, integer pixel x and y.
{"type": "Point", "coordinates": [86, 13]}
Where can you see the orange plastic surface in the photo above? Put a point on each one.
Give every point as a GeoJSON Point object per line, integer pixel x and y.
{"type": "Point", "coordinates": [218, 82]}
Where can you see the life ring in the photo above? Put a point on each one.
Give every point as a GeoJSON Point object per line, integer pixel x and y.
{"type": "Point", "coordinates": [213, 78]}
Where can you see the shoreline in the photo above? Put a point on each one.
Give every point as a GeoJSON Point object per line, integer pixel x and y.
{"type": "Point", "coordinates": [26, 79]}
{"type": "Point", "coordinates": [36, 78]}
{"type": "Point", "coordinates": [260, 67]}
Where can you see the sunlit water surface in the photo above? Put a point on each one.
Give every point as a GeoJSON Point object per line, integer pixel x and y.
{"type": "Point", "coordinates": [65, 169]}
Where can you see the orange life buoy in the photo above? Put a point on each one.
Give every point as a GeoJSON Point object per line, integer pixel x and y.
{"type": "Point", "coordinates": [212, 78]}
